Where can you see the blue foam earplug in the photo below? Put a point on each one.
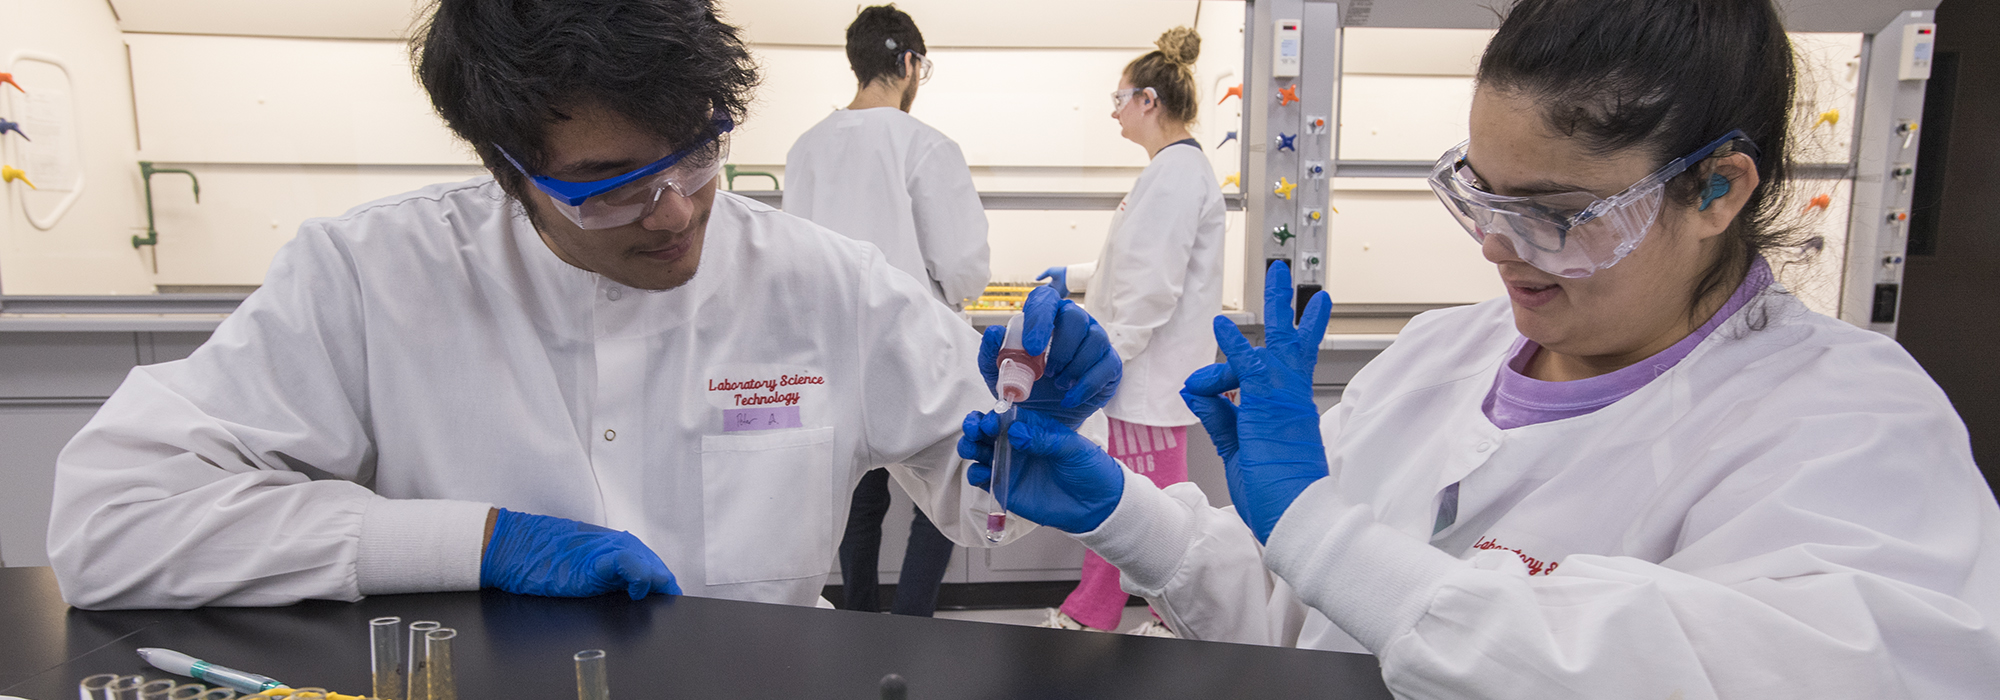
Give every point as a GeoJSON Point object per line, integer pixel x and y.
{"type": "Point", "coordinates": [1717, 186]}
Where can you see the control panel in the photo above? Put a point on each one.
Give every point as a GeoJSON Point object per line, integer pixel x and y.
{"type": "Point", "coordinates": [1885, 167]}
{"type": "Point", "coordinates": [1290, 101]}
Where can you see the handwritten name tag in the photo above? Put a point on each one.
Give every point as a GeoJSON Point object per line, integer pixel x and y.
{"type": "Point", "coordinates": [761, 418]}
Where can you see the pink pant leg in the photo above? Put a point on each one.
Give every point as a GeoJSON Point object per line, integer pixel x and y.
{"type": "Point", "coordinates": [1160, 454]}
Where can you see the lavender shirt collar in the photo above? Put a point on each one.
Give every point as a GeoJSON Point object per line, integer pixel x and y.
{"type": "Point", "coordinates": [1518, 400]}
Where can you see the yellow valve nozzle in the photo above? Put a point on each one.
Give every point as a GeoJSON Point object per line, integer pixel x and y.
{"type": "Point", "coordinates": [10, 173]}
{"type": "Point", "coordinates": [1284, 188]}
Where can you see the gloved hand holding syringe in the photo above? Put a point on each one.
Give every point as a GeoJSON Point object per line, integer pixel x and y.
{"type": "Point", "coordinates": [1061, 369]}
{"type": "Point", "coordinates": [1017, 374]}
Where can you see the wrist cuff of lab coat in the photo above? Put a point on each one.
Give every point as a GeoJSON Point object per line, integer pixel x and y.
{"type": "Point", "coordinates": [1078, 276]}
{"type": "Point", "coordinates": [1373, 581]}
{"type": "Point", "coordinates": [411, 546]}
{"type": "Point", "coordinates": [1146, 536]}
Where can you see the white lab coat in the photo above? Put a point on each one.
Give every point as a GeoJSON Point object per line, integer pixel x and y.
{"type": "Point", "coordinates": [1157, 285]}
{"type": "Point", "coordinates": [880, 175]}
{"type": "Point", "coordinates": [421, 357]}
{"type": "Point", "coordinates": [1790, 512]}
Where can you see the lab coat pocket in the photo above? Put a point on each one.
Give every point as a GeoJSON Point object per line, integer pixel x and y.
{"type": "Point", "coordinates": [767, 505]}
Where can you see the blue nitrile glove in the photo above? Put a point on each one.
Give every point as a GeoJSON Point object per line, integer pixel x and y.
{"type": "Point", "coordinates": [1060, 479]}
{"type": "Point", "coordinates": [561, 558]}
{"type": "Point", "coordinates": [1270, 446]}
{"type": "Point", "coordinates": [1082, 370]}
{"type": "Point", "coordinates": [1058, 278]}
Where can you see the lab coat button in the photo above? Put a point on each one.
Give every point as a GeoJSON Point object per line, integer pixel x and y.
{"type": "Point", "coordinates": [1484, 446]}
{"type": "Point", "coordinates": [612, 294]}
{"type": "Point", "coordinates": [610, 435]}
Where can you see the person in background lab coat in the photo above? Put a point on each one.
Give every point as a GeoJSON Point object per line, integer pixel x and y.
{"type": "Point", "coordinates": [1154, 287]}
{"type": "Point", "coordinates": [588, 373]}
{"type": "Point", "coordinates": [874, 173]}
{"type": "Point", "coordinates": [1649, 471]}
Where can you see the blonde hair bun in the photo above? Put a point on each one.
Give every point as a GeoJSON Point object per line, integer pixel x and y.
{"type": "Point", "coordinates": [1180, 46]}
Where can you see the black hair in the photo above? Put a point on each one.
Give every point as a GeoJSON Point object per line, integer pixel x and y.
{"type": "Point", "coordinates": [877, 41]}
{"type": "Point", "coordinates": [500, 72]}
{"type": "Point", "coordinates": [1667, 77]}
{"type": "Point", "coordinates": [1169, 71]}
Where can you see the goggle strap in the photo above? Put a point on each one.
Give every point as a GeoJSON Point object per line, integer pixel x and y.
{"type": "Point", "coordinates": [574, 193]}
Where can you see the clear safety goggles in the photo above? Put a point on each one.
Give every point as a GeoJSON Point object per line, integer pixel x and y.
{"type": "Point", "coordinates": [1120, 97]}
{"type": "Point", "coordinates": [622, 199]}
{"type": "Point", "coordinates": [924, 67]}
{"type": "Point", "coordinates": [1567, 234]}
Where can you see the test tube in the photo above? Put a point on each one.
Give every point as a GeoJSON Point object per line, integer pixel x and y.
{"type": "Point", "coordinates": [419, 683]}
{"type": "Point", "coordinates": [1016, 375]}
{"type": "Point", "coordinates": [124, 688]}
{"type": "Point", "coordinates": [385, 638]}
{"type": "Point", "coordinates": [219, 694]}
{"type": "Point", "coordinates": [187, 691]}
{"type": "Point", "coordinates": [591, 682]}
{"type": "Point", "coordinates": [156, 689]}
{"type": "Point", "coordinates": [1002, 477]}
{"type": "Point", "coordinates": [437, 663]}
{"type": "Point", "coordinates": [92, 687]}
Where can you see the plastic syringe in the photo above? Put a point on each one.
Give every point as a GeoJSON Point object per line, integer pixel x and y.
{"type": "Point", "coordinates": [1017, 375]}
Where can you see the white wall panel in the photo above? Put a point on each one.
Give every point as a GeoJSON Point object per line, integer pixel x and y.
{"type": "Point", "coordinates": [1801, 15]}
{"type": "Point", "coordinates": [1379, 51]}
{"type": "Point", "coordinates": [1829, 76]}
{"type": "Point", "coordinates": [87, 250]}
{"type": "Point", "coordinates": [331, 19]}
{"type": "Point", "coordinates": [1400, 247]}
{"type": "Point", "coordinates": [946, 22]}
{"type": "Point", "coordinates": [958, 23]}
{"type": "Point", "coordinates": [1402, 117]}
{"type": "Point", "coordinates": [248, 211]}
{"type": "Point", "coordinates": [218, 99]}
{"type": "Point", "coordinates": [1098, 23]}
{"type": "Point", "coordinates": [1005, 107]}
{"type": "Point", "coordinates": [1025, 243]}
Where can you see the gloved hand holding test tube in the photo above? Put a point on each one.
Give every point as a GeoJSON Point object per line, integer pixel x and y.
{"type": "Point", "coordinates": [1051, 358]}
{"type": "Point", "coordinates": [1016, 378]}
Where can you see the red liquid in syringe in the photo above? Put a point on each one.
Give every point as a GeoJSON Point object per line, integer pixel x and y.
{"type": "Point", "coordinates": [1034, 363]}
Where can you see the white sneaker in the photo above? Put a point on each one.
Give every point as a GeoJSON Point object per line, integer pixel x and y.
{"type": "Point", "coordinates": [1058, 619]}
{"type": "Point", "coordinates": [1153, 628]}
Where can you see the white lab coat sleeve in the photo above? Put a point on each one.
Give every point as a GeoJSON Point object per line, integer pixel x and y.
{"type": "Point", "coordinates": [1078, 276]}
{"type": "Point", "coordinates": [951, 223]}
{"type": "Point", "coordinates": [920, 379]}
{"type": "Point", "coordinates": [234, 477]}
{"type": "Point", "coordinates": [1154, 243]}
{"type": "Point", "coordinates": [1200, 566]}
{"type": "Point", "coordinates": [1834, 562]}
{"type": "Point", "coordinates": [1197, 565]}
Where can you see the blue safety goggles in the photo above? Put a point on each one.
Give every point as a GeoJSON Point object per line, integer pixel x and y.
{"type": "Point", "coordinates": [623, 199]}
